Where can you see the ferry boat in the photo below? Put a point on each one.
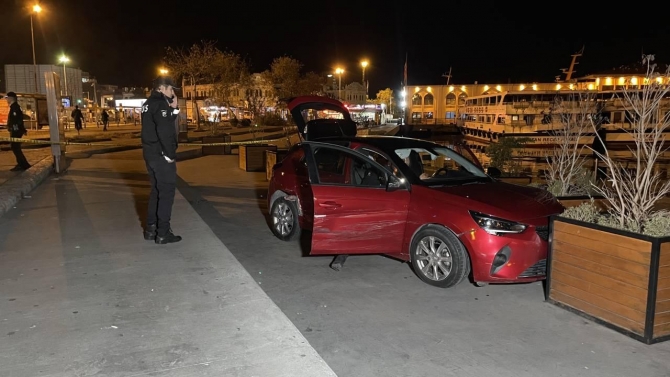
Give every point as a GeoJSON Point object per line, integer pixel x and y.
{"type": "Point", "coordinates": [486, 113]}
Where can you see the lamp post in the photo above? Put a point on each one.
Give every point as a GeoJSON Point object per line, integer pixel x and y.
{"type": "Point", "coordinates": [64, 59]}
{"type": "Point", "coordinates": [36, 10]}
{"type": "Point", "coordinates": [364, 64]}
{"type": "Point", "coordinates": [339, 72]}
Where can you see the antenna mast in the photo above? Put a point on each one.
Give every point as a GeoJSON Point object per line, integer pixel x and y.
{"type": "Point", "coordinates": [448, 76]}
{"type": "Point", "coordinates": [568, 72]}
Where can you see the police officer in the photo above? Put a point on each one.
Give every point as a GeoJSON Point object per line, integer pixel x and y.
{"type": "Point", "coordinates": [159, 146]}
{"type": "Point", "coordinates": [17, 130]}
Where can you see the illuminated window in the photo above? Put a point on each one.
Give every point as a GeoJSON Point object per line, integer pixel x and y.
{"type": "Point", "coordinates": [451, 99]}
{"type": "Point", "coordinates": [428, 100]}
{"type": "Point", "coordinates": [416, 100]}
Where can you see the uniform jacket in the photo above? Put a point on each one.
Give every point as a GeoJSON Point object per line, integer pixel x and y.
{"type": "Point", "coordinates": [159, 130]}
{"type": "Point", "coordinates": [15, 121]}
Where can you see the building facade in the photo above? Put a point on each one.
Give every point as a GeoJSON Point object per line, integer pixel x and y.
{"type": "Point", "coordinates": [351, 94]}
{"type": "Point", "coordinates": [244, 100]}
{"type": "Point", "coordinates": [20, 78]}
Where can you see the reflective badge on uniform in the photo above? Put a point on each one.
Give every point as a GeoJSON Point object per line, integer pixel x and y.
{"type": "Point", "coordinates": [14, 113]}
{"type": "Point", "coordinates": [164, 112]}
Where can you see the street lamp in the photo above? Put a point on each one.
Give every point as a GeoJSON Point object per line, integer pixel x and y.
{"type": "Point", "coordinates": [364, 64]}
{"type": "Point", "coordinates": [163, 71]}
{"type": "Point", "coordinates": [36, 10]}
{"type": "Point", "coordinates": [64, 59]}
{"type": "Point", "coordinates": [339, 72]}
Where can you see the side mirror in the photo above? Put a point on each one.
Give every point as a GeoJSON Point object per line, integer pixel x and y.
{"type": "Point", "coordinates": [494, 172]}
{"type": "Point", "coordinates": [394, 184]}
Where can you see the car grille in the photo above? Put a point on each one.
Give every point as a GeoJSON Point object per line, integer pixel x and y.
{"type": "Point", "coordinates": [538, 269]}
{"type": "Point", "coordinates": [542, 232]}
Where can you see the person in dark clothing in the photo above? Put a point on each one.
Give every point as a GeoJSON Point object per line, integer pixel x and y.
{"type": "Point", "coordinates": [159, 147]}
{"type": "Point", "coordinates": [105, 120]}
{"type": "Point", "coordinates": [78, 118]}
{"type": "Point", "coordinates": [16, 129]}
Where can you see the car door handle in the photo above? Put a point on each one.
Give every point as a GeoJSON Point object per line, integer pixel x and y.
{"type": "Point", "coordinates": [330, 205]}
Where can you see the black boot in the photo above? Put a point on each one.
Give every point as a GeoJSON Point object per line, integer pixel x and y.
{"type": "Point", "coordinates": [168, 238]}
{"type": "Point", "coordinates": [150, 232]}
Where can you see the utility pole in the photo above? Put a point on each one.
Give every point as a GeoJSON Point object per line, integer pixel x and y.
{"type": "Point", "coordinates": [448, 76]}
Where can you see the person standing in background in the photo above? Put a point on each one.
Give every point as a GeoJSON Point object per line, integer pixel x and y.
{"type": "Point", "coordinates": [16, 130]}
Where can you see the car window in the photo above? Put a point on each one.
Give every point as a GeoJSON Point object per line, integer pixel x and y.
{"type": "Point", "coordinates": [382, 160]}
{"type": "Point", "coordinates": [340, 167]}
{"type": "Point", "coordinates": [435, 165]}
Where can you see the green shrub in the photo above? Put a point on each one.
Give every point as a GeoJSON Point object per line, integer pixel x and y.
{"type": "Point", "coordinates": [587, 211]}
{"type": "Point", "coordinates": [658, 224]}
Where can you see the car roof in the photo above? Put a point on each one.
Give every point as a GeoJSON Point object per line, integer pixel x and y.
{"type": "Point", "coordinates": [383, 142]}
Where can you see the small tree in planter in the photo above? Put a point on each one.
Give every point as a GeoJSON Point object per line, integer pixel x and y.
{"type": "Point", "coordinates": [609, 267]}
{"type": "Point", "coordinates": [566, 173]}
{"type": "Point", "coordinates": [633, 193]}
{"type": "Point", "coordinates": [502, 153]}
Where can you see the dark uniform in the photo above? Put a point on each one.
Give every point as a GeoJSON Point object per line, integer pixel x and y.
{"type": "Point", "coordinates": [159, 143]}
{"type": "Point", "coordinates": [17, 130]}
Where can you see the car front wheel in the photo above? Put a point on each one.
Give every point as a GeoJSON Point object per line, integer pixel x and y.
{"type": "Point", "coordinates": [439, 258]}
{"type": "Point", "coordinates": [284, 220]}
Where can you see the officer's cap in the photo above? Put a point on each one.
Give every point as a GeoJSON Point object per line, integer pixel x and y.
{"type": "Point", "coordinates": [164, 80]}
{"type": "Point", "coordinates": [10, 94]}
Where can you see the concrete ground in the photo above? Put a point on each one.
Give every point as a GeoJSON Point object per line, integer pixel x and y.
{"type": "Point", "coordinates": [83, 294]}
{"type": "Point", "coordinates": [376, 318]}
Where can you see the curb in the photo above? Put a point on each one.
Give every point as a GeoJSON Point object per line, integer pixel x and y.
{"type": "Point", "coordinates": [15, 188]}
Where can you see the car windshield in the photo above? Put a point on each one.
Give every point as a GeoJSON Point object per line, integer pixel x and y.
{"type": "Point", "coordinates": [439, 165]}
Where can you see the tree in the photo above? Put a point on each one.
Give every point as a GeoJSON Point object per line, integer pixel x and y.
{"type": "Point", "coordinates": [311, 83]}
{"type": "Point", "coordinates": [633, 193]}
{"type": "Point", "coordinates": [284, 74]}
{"type": "Point", "coordinates": [231, 75]}
{"type": "Point", "coordinates": [193, 65]}
{"type": "Point", "coordinates": [574, 117]}
{"type": "Point", "coordinates": [501, 153]}
{"type": "Point", "coordinates": [287, 80]}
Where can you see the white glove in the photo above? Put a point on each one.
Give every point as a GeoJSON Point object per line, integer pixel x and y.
{"type": "Point", "coordinates": [168, 159]}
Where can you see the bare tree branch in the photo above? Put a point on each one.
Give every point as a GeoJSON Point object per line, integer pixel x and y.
{"type": "Point", "coordinates": [632, 193]}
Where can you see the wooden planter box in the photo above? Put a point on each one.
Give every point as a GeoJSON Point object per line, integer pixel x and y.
{"type": "Point", "coordinates": [252, 157]}
{"type": "Point", "coordinates": [616, 278]}
{"type": "Point", "coordinates": [216, 149]}
{"type": "Point", "coordinates": [271, 158]}
{"type": "Point", "coordinates": [574, 201]}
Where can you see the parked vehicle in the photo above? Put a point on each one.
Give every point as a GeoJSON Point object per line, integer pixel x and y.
{"type": "Point", "coordinates": [410, 199]}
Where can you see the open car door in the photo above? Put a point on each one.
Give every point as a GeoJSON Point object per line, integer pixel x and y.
{"type": "Point", "coordinates": [360, 207]}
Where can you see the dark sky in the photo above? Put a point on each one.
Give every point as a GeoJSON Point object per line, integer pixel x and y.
{"type": "Point", "coordinates": [122, 42]}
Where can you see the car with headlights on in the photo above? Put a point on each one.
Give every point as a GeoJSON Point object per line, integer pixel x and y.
{"type": "Point", "coordinates": [413, 200]}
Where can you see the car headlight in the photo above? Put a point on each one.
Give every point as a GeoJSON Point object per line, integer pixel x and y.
{"type": "Point", "coordinates": [495, 226]}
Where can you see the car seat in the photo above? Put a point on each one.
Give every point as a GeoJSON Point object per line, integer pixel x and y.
{"type": "Point", "coordinates": [415, 163]}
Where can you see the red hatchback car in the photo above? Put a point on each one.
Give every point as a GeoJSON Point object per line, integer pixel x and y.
{"type": "Point", "coordinates": [410, 199]}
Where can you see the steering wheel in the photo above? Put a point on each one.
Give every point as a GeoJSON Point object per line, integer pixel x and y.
{"type": "Point", "coordinates": [442, 172]}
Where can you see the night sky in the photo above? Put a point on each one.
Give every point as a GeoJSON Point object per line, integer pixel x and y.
{"type": "Point", "coordinates": [122, 42]}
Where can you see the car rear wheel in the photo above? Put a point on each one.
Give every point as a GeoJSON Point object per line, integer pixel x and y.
{"type": "Point", "coordinates": [439, 258]}
{"type": "Point", "coordinates": [284, 220]}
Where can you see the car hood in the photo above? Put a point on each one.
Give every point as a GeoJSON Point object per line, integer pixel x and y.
{"type": "Point", "coordinates": [317, 128]}
{"type": "Point", "coordinates": [504, 200]}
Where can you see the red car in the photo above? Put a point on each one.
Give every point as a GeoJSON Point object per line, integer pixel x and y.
{"type": "Point", "coordinates": [410, 199]}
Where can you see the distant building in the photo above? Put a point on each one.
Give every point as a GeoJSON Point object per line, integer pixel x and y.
{"type": "Point", "coordinates": [20, 78]}
{"type": "Point", "coordinates": [242, 99]}
{"type": "Point", "coordinates": [351, 94]}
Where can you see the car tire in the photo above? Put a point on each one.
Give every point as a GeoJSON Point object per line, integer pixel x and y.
{"type": "Point", "coordinates": [284, 220]}
{"type": "Point", "coordinates": [444, 262]}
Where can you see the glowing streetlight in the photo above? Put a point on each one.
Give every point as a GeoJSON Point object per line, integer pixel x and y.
{"type": "Point", "coordinates": [364, 64]}
{"type": "Point", "coordinates": [339, 72]}
{"type": "Point", "coordinates": [163, 71]}
{"type": "Point", "coordinates": [36, 10]}
{"type": "Point", "coordinates": [64, 59]}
